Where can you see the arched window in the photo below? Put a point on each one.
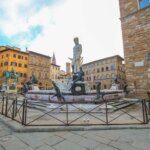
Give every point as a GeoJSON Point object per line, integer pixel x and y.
{"type": "Point", "coordinates": [94, 87]}
{"type": "Point", "coordinates": [46, 76]}
{"type": "Point", "coordinates": [98, 77]}
{"type": "Point", "coordinates": [39, 75]}
{"type": "Point", "coordinates": [112, 67]}
{"type": "Point", "coordinates": [119, 76]}
{"type": "Point", "coordinates": [102, 77]}
{"type": "Point", "coordinates": [113, 76]}
{"type": "Point", "coordinates": [107, 68]}
{"type": "Point", "coordinates": [97, 70]}
{"type": "Point", "coordinates": [107, 76]}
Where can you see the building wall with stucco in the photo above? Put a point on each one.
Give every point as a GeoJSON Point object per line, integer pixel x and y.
{"type": "Point", "coordinates": [13, 58]}
{"type": "Point", "coordinates": [40, 66]}
{"type": "Point", "coordinates": [105, 71]}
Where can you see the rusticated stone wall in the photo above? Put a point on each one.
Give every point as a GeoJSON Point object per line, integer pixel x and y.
{"type": "Point", "coordinates": [136, 40]}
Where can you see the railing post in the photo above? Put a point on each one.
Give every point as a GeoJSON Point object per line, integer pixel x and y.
{"type": "Point", "coordinates": [146, 111]}
{"type": "Point", "coordinates": [6, 106]}
{"type": "Point", "coordinates": [23, 112]}
{"type": "Point", "coordinates": [3, 105]}
{"type": "Point", "coordinates": [143, 111]}
{"type": "Point", "coordinates": [106, 113]}
{"type": "Point", "coordinates": [67, 114]}
{"type": "Point", "coordinates": [149, 107]}
{"type": "Point", "coordinates": [13, 111]}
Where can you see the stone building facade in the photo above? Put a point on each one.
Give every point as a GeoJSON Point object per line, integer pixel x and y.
{"type": "Point", "coordinates": [105, 71]}
{"type": "Point", "coordinates": [13, 58]}
{"type": "Point", "coordinates": [68, 68]}
{"type": "Point", "coordinates": [40, 66]}
{"type": "Point", "coordinates": [135, 21]}
{"type": "Point", "coordinates": [55, 69]}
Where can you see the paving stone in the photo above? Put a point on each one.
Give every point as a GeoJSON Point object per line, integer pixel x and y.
{"type": "Point", "coordinates": [105, 147]}
{"type": "Point", "coordinates": [93, 136]}
{"type": "Point", "coordinates": [143, 132]}
{"type": "Point", "coordinates": [2, 147]}
{"type": "Point", "coordinates": [88, 143]}
{"type": "Point", "coordinates": [123, 146]}
{"type": "Point", "coordinates": [2, 127]}
{"type": "Point", "coordinates": [30, 139]}
{"type": "Point", "coordinates": [4, 133]}
{"type": "Point", "coordinates": [73, 137]}
{"type": "Point", "coordinates": [60, 133]}
{"type": "Point", "coordinates": [109, 134]}
{"type": "Point", "coordinates": [67, 145]}
{"type": "Point", "coordinates": [142, 144]}
{"type": "Point", "coordinates": [44, 147]}
{"type": "Point", "coordinates": [14, 143]}
{"type": "Point", "coordinates": [130, 138]}
{"type": "Point", "coordinates": [52, 140]}
{"type": "Point", "coordinates": [37, 135]}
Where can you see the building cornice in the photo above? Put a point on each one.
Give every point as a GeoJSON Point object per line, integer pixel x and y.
{"type": "Point", "coordinates": [9, 49]}
{"type": "Point", "coordinates": [102, 59]}
{"type": "Point", "coordinates": [31, 52]}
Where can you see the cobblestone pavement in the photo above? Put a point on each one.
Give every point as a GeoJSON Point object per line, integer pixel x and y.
{"type": "Point", "coordinates": [133, 139]}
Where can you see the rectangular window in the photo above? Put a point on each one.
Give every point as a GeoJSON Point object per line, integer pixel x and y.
{"type": "Point", "coordinates": [5, 63]}
{"type": "Point", "coordinates": [112, 67]}
{"type": "Point", "coordinates": [19, 57]}
{"type": "Point", "coordinates": [144, 3]}
{"type": "Point", "coordinates": [25, 66]}
{"type": "Point", "coordinates": [19, 65]}
{"type": "Point", "coordinates": [25, 75]}
{"type": "Point", "coordinates": [14, 55]}
{"type": "Point", "coordinates": [21, 74]}
{"type": "Point", "coordinates": [13, 64]}
{"type": "Point", "coordinates": [103, 62]}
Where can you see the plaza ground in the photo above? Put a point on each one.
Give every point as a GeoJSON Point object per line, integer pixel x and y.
{"type": "Point", "coordinates": [125, 139]}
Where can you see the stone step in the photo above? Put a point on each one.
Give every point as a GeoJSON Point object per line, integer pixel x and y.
{"type": "Point", "coordinates": [121, 105]}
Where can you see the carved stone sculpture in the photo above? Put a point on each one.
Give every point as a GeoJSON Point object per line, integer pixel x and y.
{"type": "Point", "coordinates": [77, 59]}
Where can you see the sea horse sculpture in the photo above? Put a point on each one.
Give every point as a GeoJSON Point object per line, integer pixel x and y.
{"type": "Point", "coordinates": [58, 93]}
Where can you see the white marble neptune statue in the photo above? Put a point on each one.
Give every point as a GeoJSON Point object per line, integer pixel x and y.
{"type": "Point", "coordinates": [77, 60]}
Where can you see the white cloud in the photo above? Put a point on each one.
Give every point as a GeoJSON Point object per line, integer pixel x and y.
{"type": "Point", "coordinates": [95, 22]}
{"type": "Point", "coordinates": [14, 23]}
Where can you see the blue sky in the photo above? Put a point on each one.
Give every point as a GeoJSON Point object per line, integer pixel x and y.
{"type": "Point", "coordinates": [15, 28]}
{"type": "Point", "coordinates": [48, 26]}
